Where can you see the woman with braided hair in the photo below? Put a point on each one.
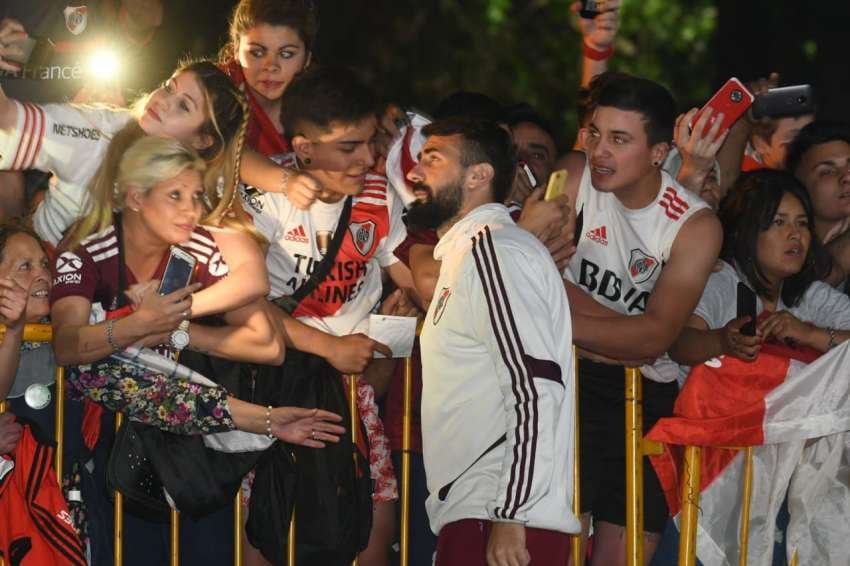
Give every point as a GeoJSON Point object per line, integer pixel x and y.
{"type": "Point", "coordinates": [198, 106]}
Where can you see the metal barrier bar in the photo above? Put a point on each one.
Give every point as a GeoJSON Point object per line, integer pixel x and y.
{"type": "Point", "coordinates": [690, 506]}
{"type": "Point", "coordinates": [290, 543]}
{"type": "Point", "coordinates": [407, 422]}
{"type": "Point", "coordinates": [237, 528]}
{"type": "Point", "coordinates": [634, 468]}
{"type": "Point", "coordinates": [576, 548]}
{"type": "Point", "coordinates": [355, 423]}
{"type": "Point", "coordinates": [174, 532]}
{"type": "Point", "coordinates": [118, 512]}
{"type": "Point", "coordinates": [60, 423]}
{"type": "Point", "coordinates": [745, 506]}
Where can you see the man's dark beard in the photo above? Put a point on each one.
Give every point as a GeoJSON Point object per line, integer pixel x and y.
{"type": "Point", "coordinates": [436, 211]}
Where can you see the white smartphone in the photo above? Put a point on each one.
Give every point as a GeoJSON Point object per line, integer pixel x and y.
{"type": "Point", "coordinates": [178, 271]}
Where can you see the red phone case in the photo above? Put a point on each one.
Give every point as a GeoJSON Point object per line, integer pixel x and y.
{"type": "Point", "coordinates": [732, 100]}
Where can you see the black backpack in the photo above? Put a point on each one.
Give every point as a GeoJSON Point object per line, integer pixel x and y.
{"type": "Point", "coordinates": [332, 486]}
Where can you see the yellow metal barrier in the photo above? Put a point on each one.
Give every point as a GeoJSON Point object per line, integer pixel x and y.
{"type": "Point", "coordinates": [690, 506]}
{"type": "Point", "coordinates": [118, 512]}
{"type": "Point", "coordinates": [237, 528]}
{"type": "Point", "coordinates": [576, 548]}
{"type": "Point", "coordinates": [404, 536]}
{"type": "Point", "coordinates": [290, 543]}
{"type": "Point", "coordinates": [355, 423]}
{"type": "Point", "coordinates": [634, 468]}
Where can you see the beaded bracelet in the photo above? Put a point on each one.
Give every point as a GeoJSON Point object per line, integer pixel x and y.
{"type": "Point", "coordinates": [832, 343]}
{"type": "Point", "coordinates": [110, 335]}
{"type": "Point", "coordinates": [269, 422]}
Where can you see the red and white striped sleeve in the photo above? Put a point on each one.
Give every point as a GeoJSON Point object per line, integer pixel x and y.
{"type": "Point", "coordinates": [20, 146]}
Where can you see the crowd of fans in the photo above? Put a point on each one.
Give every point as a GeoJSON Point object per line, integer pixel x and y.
{"type": "Point", "coordinates": [304, 206]}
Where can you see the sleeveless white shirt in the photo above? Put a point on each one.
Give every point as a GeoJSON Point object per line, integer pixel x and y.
{"type": "Point", "coordinates": [621, 251]}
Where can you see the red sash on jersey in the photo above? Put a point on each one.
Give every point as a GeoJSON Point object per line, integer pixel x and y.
{"type": "Point", "coordinates": [262, 135]}
{"type": "Point", "coordinates": [369, 224]}
{"type": "Point", "coordinates": [37, 527]}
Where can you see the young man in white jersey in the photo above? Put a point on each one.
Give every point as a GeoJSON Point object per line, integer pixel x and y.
{"type": "Point", "coordinates": [645, 248]}
{"type": "Point", "coordinates": [497, 405]}
{"type": "Point", "coordinates": [329, 117]}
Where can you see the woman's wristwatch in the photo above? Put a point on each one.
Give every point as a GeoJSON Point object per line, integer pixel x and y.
{"type": "Point", "coordinates": [180, 336]}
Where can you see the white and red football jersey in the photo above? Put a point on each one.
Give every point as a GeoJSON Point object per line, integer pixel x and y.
{"type": "Point", "coordinates": [68, 140]}
{"type": "Point", "coordinates": [299, 239]}
{"type": "Point", "coordinates": [621, 252]}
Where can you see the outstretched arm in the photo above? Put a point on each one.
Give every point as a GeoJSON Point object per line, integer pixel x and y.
{"type": "Point", "coordinates": [598, 35]}
{"type": "Point", "coordinates": [252, 334]}
{"type": "Point", "coordinates": [247, 280]}
{"type": "Point", "coordinates": [259, 171]}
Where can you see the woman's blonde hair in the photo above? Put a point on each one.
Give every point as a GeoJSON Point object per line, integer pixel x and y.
{"type": "Point", "coordinates": [226, 121]}
{"type": "Point", "coordinates": [147, 161]}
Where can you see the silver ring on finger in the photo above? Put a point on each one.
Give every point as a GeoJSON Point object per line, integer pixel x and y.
{"type": "Point", "coordinates": [313, 434]}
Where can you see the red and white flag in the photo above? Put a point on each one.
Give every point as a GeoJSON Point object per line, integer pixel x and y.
{"type": "Point", "coordinates": [796, 415]}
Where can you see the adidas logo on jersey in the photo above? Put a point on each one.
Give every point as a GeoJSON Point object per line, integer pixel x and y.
{"type": "Point", "coordinates": [297, 235]}
{"type": "Point", "coordinates": [598, 235]}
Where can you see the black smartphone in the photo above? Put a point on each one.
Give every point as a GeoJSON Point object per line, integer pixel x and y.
{"type": "Point", "coordinates": [529, 174]}
{"type": "Point", "coordinates": [36, 52]}
{"type": "Point", "coordinates": [589, 9]}
{"type": "Point", "coordinates": [178, 271]}
{"type": "Point", "coordinates": [747, 307]}
{"type": "Point", "coordinates": [785, 101]}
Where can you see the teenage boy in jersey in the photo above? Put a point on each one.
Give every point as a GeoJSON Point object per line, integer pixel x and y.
{"type": "Point", "coordinates": [329, 116]}
{"type": "Point", "coordinates": [497, 404]}
{"type": "Point", "coordinates": [645, 248]}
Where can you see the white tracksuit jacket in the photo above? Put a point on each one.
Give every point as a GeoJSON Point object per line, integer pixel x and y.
{"type": "Point", "coordinates": [498, 396]}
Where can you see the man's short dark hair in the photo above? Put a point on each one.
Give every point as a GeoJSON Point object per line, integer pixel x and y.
{"type": "Point", "coordinates": [647, 97]}
{"type": "Point", "coordinates": [588, 96]}
{"type": "Point", "coordinates": [484, 141]}
{"type": "Point", "coordinates": [815, 133]}
{"type": "Point", "coordinates": [525, 113]}
{"type": "Point", "coordinates": [324, 96]}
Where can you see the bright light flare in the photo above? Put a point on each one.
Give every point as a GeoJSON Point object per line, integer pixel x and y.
{"type": "Point", "coordinates": [104, 65]}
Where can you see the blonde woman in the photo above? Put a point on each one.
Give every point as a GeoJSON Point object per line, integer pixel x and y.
{"type": "Point", "coordinates": [198, 106]}
{"type": "Point", "coordinates": [158, 193]}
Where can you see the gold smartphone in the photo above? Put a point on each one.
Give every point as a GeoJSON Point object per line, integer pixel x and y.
{"type": "Point", "coordinates": [557, 184]}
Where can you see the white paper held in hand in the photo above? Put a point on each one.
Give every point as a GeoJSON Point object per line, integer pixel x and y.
{"type": "Point", "coordinates": [397, 332]}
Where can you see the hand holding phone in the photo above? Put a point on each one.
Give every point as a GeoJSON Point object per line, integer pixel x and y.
{"type": "Point", "coordinates": [178, 271]}
{"type": "Point", "coordinates": [557, 185]}
{"type": "Point", "coordinates": [732, 100]}
{"type": "Point", "coordinates": [785, 101]}
{"type": "Point", "coordinates": [747, 307]}
{"type": "Point", "coordinates": [589, 9]}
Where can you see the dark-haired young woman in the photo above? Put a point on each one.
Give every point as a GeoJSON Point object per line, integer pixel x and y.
{"type": "Point", "coordinates": [769, 245]}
